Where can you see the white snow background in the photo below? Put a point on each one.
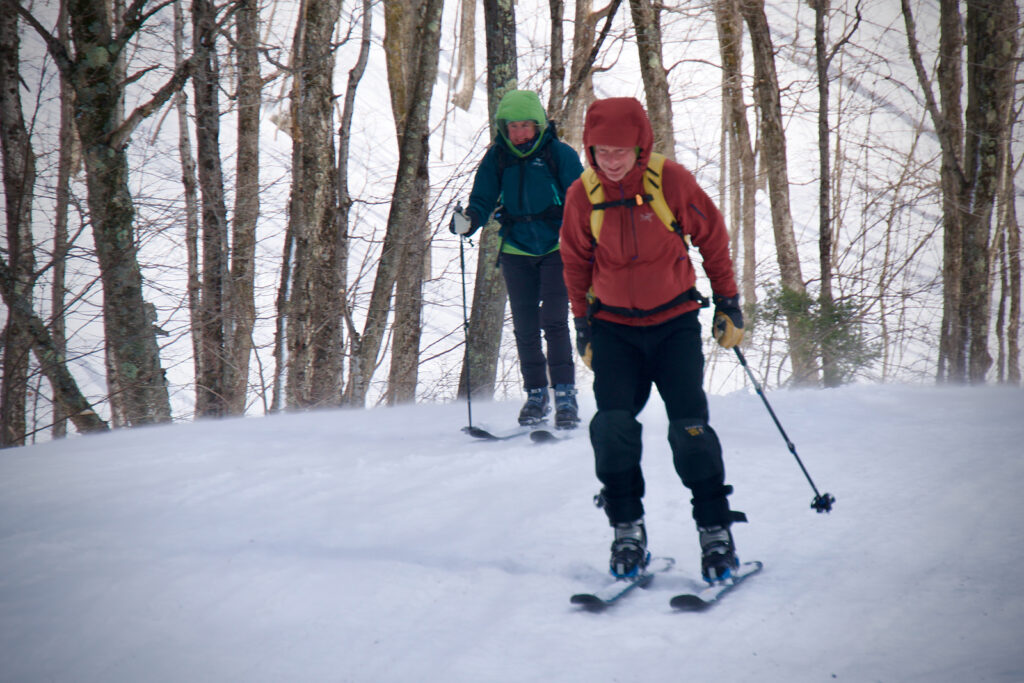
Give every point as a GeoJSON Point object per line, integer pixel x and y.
{"type": "Point", "coordinates": [386, 546]}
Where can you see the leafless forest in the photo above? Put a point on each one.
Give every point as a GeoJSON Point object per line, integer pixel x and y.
{"type": "Point", "coordinates": [240, 207]}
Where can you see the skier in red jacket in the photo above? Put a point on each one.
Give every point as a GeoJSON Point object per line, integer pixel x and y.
{"type": "Point", "coordinates": [635, 307]}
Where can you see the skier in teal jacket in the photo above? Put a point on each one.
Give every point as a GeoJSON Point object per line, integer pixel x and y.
{"type": "Point", "coordinates": [522, 180]}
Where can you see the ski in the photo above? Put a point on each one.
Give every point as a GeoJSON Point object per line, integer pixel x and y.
{"type": "Point", "coordinates": [480, 433]}
{"type": "Point", "coordinates": [702, 599]}
{"type": "Point", "coordinates": [609, 594]}
{"type": "Point", "coordinates": [546, 436]}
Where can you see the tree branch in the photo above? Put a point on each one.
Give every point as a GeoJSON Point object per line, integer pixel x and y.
{"type": "Point", "coordinates": [53, 46]}
{"type": "Point", "coordinates": [51, 362]}
{"type": "Point", "coordinates": [172, 86]}
{"type": "Point", "coordinates": [574, 88]}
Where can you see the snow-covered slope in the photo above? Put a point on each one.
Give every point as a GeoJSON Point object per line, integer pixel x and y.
{"type": "Point", "coordinates": [385, 545]}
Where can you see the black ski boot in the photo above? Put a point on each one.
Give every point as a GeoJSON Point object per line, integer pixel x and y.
{"type": "Point", "coordinates": [566, 411]}
{"type": "Point", "coordinates": [536, 407]}
{"type": "Point", "coordinates": [718, 553]}
{"type": "Point", "coordinates": [629, 549]}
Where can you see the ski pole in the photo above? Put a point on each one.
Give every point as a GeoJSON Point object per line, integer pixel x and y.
{"type": "Point", "coordinates": [822, 501]}
{"type": "Point", "coordinates": [468, 429]}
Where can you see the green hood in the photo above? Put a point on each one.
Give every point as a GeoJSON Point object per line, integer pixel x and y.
{"type": "Point", "coordinates": [520, 105]}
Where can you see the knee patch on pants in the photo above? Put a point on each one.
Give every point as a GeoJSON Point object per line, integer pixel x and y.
{"type": "Point", "coordinates": [616, 437]}
{"type": "Point", "coordinates": [617, 440]}
{"type": "Point", "coordinates": [696, 451]}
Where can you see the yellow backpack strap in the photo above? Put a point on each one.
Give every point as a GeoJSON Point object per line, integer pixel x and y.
{"type": "Point", "coordinates": [653, 186]}
{"type": "Point", "coordinates": [595, 193]}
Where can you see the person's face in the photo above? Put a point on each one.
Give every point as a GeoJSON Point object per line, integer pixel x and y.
{"type": "Point", "coordinates": [615, 162]}
{"type": "Point", "coordinates": [521, 131]}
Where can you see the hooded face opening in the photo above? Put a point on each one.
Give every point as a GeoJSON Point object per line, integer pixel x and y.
{"type": "Point", "coordinates": [521, 107]}
{"type": "Point", "coordinates": [615, 162]}
{"type": "Point", "coordinates": [521, 132]}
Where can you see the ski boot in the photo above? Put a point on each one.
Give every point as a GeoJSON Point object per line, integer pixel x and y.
{"type": "Point", "coordinates": [718, 553]}
{"type": "Point", "coordinates": [629, 550]}
{"type": "Point", "coordinates": [566, 410]}
{"type": "Point", "coordinates": [536, 407]}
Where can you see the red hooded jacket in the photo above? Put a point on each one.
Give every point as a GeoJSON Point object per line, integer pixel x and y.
{"type": "Point", "coordinates": [639, 263]}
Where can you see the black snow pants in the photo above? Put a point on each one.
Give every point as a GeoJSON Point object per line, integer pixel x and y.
{"type": "Point", "coordinates": [539, 301]}
{"type": "Point", "coordinates": [627, 361]}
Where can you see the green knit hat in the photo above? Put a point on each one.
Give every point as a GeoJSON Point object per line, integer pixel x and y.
{"type": "Point", "coordinates": [520, 105]}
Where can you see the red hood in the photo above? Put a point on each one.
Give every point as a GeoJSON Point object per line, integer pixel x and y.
{"type": "Point", "coordinates": [618, 122]}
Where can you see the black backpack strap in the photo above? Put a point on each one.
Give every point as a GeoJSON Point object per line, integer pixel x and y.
{"type": "Point", "coordinates": [594, 305]}
{"type": "Point", "coordinates": [638, 200]}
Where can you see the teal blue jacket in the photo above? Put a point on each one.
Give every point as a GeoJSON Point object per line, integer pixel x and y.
{"type": "Point", "coordinates": [528, 191]}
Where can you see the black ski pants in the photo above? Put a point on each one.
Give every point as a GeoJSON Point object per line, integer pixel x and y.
{"type": "Point", "coordinates": [627, 361]}
{"type": "Point", "coordinates": [539, 301]}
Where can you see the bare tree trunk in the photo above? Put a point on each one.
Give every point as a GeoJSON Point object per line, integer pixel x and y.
{"type": "Point", "coordinates": [241, 304]}
{"type": "Point", "coordinates": [19, 172]}
{"type": "Point", "coordinates": [190, 195]}
{"type": "Point", "coordinates": [556, 77]}
{"type": "Point", "coordinates": [730, 32]}
{"type": "Point", "coordinates": [62, 199]}
{"type": "Point", "coordinates": [51, 361]}
{"type": "Point", "coordinates": [280, 323]}
{"type": "Point", "coordinates": [970, 165]}
{"type": "Point", "coordinates": [129, 322]}
{"type": "Point", "coordinates": [214, 380]}
{"type": "Point", "coordinates": [487, 316]}
{"type": "Point", "coordinates": [1012, 290]}
{"type": "Point", "coordinates": [355, 75]}
{"type": "Point", "coordinates": [647, 23]}
{"type": "Point", "coordinates": [773, 141]}
{"type": "Point", "coordinates": [585, 47]}
{"type": "Point", "coordinates": [952, 365]}
{"type": "Point", "coordinates": [314, 310]}
{"type": "Point", "coordinates": [404, 203]}
{"type": "Point", "coordinates": [570, 112]}
{"type": "Point", "coordinates": [404, 54]}
{"type": "Point", "coordinates": [992, 27]}
{"type": "Point", "coordinates": [832, 374]}
{"type": "Point", "coordinates": [465, 76]}
{"type": "Point", "coordinates": [407, 328]}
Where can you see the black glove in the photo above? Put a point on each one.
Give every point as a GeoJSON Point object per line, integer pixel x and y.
{"type": "Point", "coordinates": [583, 340]}
{"type": "Point", "coordinates": [728, 322]}
{"type": "Point", "coordinates": [463, 223]}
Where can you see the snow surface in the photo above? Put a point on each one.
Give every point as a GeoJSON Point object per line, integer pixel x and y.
{"type": "Point", "coordinates": [384, 545]}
